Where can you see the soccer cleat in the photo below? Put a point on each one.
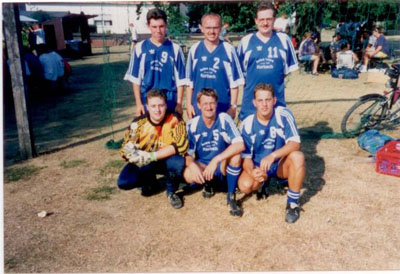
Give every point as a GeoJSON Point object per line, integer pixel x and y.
{"type": "Point", "coordinates": [148, 189]}
{"type": "Point", "coordinates": [235, 209]}
{"type": "Point", "coordinates": [208, 191]}
{"type": "Point", "coordinates": [175, 200]}
{"type": "Point", "coordinates": [292, 212]}
{"type": "Point", "coordinates": [262, 191]}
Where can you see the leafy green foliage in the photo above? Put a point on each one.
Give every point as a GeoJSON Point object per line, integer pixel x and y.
{"type": "Point", "coordinates": [176, 20]}
{"type": "Point", "coordinates": [240, 16]}
{"type": "Point", "coordinates": [309, 14]}
{"type": "Point", "coordinates": [18, 173]}
{"type": "Point", "coordinates": [313, 14]}
{"type": "Point", "coordinates": [41, 16]}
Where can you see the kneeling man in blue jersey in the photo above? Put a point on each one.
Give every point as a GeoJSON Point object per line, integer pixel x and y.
{"type": "Point", "coordinates": [213, 63]}
{"type": "Point", "coordinates": [157, 63]}
{"type": "Point", "coordinates": [213, 158]}
{"type": "Point", "coordinates": [272, 149]}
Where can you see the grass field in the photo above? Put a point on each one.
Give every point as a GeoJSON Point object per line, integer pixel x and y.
{"type": "Point", "coordinates": [349, 219]}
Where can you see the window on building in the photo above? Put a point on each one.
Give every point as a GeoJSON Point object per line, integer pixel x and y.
{"type": "Point", "coordinates": [100, 23]}
{"type": "Point", "coordinates": [103, 26]}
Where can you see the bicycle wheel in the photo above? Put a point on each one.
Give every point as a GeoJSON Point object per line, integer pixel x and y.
{"type": "Point", "coordinates": [365, 114]}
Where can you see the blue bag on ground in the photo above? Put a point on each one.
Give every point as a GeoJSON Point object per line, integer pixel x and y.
{"type": "Point", "coordinates": [344, 73]}
{"type": "Point", "coordinates": [371, 141]}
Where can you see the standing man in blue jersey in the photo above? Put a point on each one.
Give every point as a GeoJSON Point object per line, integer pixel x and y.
{"type": "Point", "coordinates": [157, 63]}
{"type": "Point", "coordinates": [266, 56]}
{"type": "Point", "coordinates": [213, 158]}
{"type": "Point", "coordinates": [272, 149]}
{"type": "Point", "coordinates": [213, 63]}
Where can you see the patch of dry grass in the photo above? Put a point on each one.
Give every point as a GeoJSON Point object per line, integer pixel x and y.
{"type": "Point", "coordinates": [101, 193]}
{"type": "Point", "coordinates": [19, 173]}
{"type": "Point", "coordinates": [72, 163]}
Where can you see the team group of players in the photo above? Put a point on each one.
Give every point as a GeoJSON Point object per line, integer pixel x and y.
{"type": "Point", "coordinates": [210, 150]}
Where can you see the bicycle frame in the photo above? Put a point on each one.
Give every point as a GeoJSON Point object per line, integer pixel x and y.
{"type": "Point", "coordinates": [394, 92]}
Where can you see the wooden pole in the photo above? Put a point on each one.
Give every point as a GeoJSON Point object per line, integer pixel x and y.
{"type": "Point", "coordinates": [12, 35]}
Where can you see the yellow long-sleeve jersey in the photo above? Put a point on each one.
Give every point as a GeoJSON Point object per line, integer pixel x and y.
{"type": "Point", "coordinates": [152, 137]}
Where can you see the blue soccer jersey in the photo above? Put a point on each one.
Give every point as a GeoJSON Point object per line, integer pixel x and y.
{"type": "Point", "coordinates": [261, 140]}
{"type": "Point", "coordinates": [219, 70]}
{"type": "Point", "coordinates": [265, 63]}
{"type": "Point", "coordinates": [157, 67]}
{"type": "Point", "coordinates": [206, 143]}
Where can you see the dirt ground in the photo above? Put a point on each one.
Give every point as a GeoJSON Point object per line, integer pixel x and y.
{"type": "Point", "coordinates": [349, 219]}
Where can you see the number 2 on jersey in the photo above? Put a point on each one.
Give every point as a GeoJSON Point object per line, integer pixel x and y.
{"type": "Point", "coordinates": [216, 60]}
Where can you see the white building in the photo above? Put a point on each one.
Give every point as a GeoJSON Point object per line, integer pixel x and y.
{"type": "Point", "coordinates": [112, 17]}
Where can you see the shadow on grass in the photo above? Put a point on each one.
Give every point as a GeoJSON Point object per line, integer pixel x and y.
{"type": "Point", "coordinates": [95, 101]}
{"type": "Point", "coordinates": [315, 165]}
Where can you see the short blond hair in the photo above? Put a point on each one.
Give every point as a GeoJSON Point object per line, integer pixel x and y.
{"type": "Point", "coordinates": [263, 86]}
{"type": "Point", "coordinates": [207, 92]}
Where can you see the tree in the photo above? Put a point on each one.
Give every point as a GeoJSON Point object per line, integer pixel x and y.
{"type": "Point", "coordinates": [176, 20]}
{"type": "Point", "coordinates": [41, 16]}
{"type": "Point", "coordinates": [240, 16]}
{"type": "Point", "coordinates": [310, 14]}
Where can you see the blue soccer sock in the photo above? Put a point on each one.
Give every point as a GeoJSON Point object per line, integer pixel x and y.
{"type": "Point", "coordinates": [293, 196]}
{"type": "Point", "coordinates": [232, 176]}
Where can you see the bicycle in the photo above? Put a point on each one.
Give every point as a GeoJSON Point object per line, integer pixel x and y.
{"type": "Point", "coordinates": [375, 110]}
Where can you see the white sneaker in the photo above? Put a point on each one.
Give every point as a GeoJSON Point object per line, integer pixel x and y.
{"type": "Point", "coordinates": [363, 69]}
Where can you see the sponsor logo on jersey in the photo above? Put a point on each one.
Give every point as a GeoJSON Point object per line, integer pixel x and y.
{"type": "Point", "coordinates": [269, 143]}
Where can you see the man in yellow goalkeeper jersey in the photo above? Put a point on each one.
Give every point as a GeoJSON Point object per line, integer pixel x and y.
{"type": "Point", "coordinates": [155, 143]}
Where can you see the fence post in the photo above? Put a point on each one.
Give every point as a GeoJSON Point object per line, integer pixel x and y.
{"type": "Point", "coordinates": [12, 34]}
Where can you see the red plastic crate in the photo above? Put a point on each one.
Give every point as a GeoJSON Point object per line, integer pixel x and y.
{"type": "Point", "coordinates": [388, 159]}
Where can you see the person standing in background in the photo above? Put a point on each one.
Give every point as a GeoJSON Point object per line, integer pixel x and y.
{"type": "Point", "coordinates": [133, 37]}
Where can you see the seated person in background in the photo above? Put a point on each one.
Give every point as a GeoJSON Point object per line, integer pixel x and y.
{"type": "Point", "coordinates": [365, 41]}
{"type": "Point", "coordinates": [308, 52]}
{"type": "Point", "coordinates": [346, 61]}
{"type": "Point", "coordinates": [316, 37]}
{"type": "Point", "coordinates": [371, 42]}
{"type": "Point", "coordinates": [346, 57]}
{"type": "Point", "coordinates": [213, 159]}
{"type": "Point", "coordinates": [381, 49]}
{"type": "Point", "coordinates": [154, 144]}
{"type": "Point", "coordinates": [53, 66]}
{"type": "Point", "coordinates": [272, 149]}
{"type": "Point", "coordinates": [335, 46]}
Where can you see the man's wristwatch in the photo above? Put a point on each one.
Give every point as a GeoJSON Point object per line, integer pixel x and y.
{"type": "Point", "coordinates": [234, 106]}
